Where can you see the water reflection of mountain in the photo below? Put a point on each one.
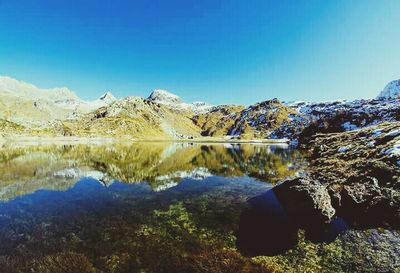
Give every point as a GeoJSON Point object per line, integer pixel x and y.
{"type": "Point", "coordinates": [24, 170]}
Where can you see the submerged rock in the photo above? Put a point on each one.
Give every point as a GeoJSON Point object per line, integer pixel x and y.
{"type": "Point", "coordinates": [306, 201]}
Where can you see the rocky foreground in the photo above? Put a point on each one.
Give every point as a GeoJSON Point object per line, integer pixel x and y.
{"type": "Point", "coordinates": [354, 175]}
{"type": "Point", "coordinates": [346, 206]}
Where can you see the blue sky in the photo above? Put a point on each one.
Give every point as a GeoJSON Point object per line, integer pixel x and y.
{"type": "Point", "coordinates": [228, 51]}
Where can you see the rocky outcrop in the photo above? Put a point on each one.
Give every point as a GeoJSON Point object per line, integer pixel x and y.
{"type": "Point", "coordinates": [353, 175]}
{"type": "Point", "coordinates": [366, 203]}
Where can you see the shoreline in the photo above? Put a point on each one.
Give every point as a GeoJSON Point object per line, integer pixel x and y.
{"type": "Point", "coordinates": [22, 140]}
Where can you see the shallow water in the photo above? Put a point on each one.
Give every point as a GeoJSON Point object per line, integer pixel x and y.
{"type": "Point", "coordinates": [144, 207]}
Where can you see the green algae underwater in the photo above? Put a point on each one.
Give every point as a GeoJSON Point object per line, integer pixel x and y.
{"type": "Point", "coordinates": [160, 207]}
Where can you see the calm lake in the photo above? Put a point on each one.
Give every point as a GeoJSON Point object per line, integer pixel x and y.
{"type": "Point", "coordinates": [148, 207]}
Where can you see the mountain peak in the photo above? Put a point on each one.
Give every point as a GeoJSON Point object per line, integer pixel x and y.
{"type": "Point", "coordinates": [108, 98]}
{"type": "Point", "coordinates": [391, 91]}
{"type": "Point", "coordinates": [164, 97]}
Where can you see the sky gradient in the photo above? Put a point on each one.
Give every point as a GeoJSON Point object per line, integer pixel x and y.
{"type": "Point", "coordinates": [228, 51]}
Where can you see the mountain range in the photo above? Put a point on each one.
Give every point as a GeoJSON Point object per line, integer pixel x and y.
{"type": "Point", "coordinates": [26, 109]}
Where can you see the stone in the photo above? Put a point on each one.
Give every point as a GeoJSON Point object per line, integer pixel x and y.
{"type": "Point", "coordinates": [306, 201]}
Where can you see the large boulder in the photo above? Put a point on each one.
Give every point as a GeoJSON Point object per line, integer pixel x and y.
{"type": "Point", "coordinates": [306, 201]}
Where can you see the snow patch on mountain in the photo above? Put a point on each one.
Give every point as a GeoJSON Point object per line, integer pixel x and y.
{"type": "Point", "coordinates": [107, 98]}
{"type": "Point", "coordinates": [341, 114]}
{"type": "Point", "coordinates": [391, 91]}
{"type": "Point", "coordinates": [164, 97]}
{"type": "Point", "coordinates": [174, 102]}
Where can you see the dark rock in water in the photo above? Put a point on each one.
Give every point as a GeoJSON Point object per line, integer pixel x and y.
{"type": "Point", "coordinates": [306, 201]}
{"type": "Point", "coordinates": [265, 228]}
{"type": "Point", "coordinates": [361, 202]}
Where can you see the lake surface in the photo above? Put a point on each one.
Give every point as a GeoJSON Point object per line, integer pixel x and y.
{"type": "Point", "coordinates": [145, 207]}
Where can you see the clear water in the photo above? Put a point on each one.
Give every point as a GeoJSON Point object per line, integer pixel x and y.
{"type": "Point", "coordinates": [144, 207]}
{"type": "Point", "coordinates": [164, 207]}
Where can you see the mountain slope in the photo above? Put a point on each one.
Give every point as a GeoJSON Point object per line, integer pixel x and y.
{"type": "Point", "coordinates": [255, 121]}
{"type": "Point", "coordinates": [133, 117]}
{"type": "Point", "coordinates": [218, 121]}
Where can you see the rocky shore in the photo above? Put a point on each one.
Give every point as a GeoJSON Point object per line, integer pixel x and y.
{"type": "Point", "coordinates": [344, 209]}
{"type": "Point", "coordinates": [353, 175]}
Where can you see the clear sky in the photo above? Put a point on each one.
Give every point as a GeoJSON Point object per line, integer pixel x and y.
{"type": "Point", "coordinates": [227, 51]}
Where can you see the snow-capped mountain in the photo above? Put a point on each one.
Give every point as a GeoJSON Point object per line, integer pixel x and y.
{"type": "Point", "coordinates": [391, 91]}
{"type": "Point", "coordinates": [164, 97]}
{"type": "Point", "coordinates": [175, 102]}
{"type": "Point", "coordinates": [337, 116]}
{"type": "Point", "coordinates": [107, 98]}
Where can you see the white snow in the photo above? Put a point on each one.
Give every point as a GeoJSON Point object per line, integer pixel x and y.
{"type": "Point", "coordinates": [197, 174]}
{"type": "Point", "coordinates": [393, 133]}
{"type": "Point", "coordinates": [395, 150]}
{"type": "Point", "coordinates": [107, 98]}
{"type": "Point", "coordinates": [67, 173]}
{"type": "Point", "coordinates": [391, 91]}
{"type": "Point", "coordinates": [359, 113]}
{"type": "Point", "coordinates": [348, 126]}
{"type": "Point", "coordinates": [376, 132]}
{"type": "Point", "coordinates": [164, 97]}
{"type": "Point", "coordinates": [165, 186]}
{"type": "Point", "coordinates": [74, 173]}
{"type": "Point", "coordinates": [371, 143]}
{"type": "Point", "coordinates": [173, 101]}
